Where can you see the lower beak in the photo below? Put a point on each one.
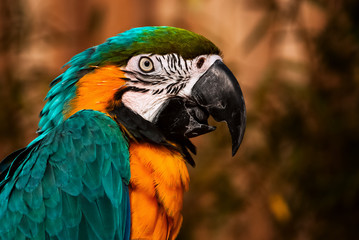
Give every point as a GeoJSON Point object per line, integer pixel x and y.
{"type": "Point", "coordinates": [218, 92]}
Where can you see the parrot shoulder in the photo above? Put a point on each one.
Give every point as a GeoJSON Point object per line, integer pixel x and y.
{"type": "Point", "coordinates": [69, 183]}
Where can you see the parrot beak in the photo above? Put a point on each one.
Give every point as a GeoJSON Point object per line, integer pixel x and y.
{"type": "Point", "coordinates": [218, 92]}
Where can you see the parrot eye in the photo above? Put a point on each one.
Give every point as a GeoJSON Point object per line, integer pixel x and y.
{"type": "Point", "coordinates": [146, 64]}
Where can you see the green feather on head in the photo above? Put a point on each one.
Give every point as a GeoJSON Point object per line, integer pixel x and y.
{"type": "Point", "coordinates": [153, 40]}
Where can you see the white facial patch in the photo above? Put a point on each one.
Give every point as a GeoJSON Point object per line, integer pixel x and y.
{"type": "Point", "coordinates": [170, 76]}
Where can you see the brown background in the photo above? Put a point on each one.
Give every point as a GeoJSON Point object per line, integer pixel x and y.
{"type": "Point", "coordinates": [296, 174]}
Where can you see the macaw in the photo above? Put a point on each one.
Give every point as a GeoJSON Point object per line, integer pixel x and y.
{"type": "Point", "coordinates": [110, 158]}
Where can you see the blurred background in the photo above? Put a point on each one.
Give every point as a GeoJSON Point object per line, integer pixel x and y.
{"type": "Point", "coordinates": [296, 175]}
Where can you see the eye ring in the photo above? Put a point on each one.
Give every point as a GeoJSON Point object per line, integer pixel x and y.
{"type": "Point", "coordinates": [146, 64]}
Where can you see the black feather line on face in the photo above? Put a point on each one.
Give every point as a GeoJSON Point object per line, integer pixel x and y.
{"type": "Point", "coordinates": [185, 64]}
{"type": "Point", "coordinates": [166, 71]}
{"type": "Point", "coordinates": [148, 76]}
{"type": "Point", "coordinates": [172, 71]}
{"type": "Point", "coordinates": [137, 126]}
{"type": "Point", "coordinates": [174, 60]}
{"type": "Point", "coordinates": [141, 77]}
{"type": "Point", "coordinates": [145, 131]}
{"type": "Point", "coordinates": [160, 61]}
{"type": "Point", "coordinates": [170, 62]}
{"type": "Point", "coordinates": [178, 60]}
{"type": "Point", "coordinates": [157, 91]}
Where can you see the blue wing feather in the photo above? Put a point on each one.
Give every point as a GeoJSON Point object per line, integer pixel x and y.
{"type": "Point", "coordinates": [70, 183]}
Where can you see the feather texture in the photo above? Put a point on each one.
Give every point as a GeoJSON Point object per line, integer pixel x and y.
{"type": "Point", "coordinates": [68, 187]}
{"type": "Point", "coordinates": [72, 181]}
{"type": "Point", "coordinates": [159, 177]}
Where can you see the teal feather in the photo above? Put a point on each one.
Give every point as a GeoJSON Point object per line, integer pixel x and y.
{"type": "Point", "coordinates": [53, 211]}
{"type": "Point", "coordinates": [78, 169]}
{"type": "Point", "coordinates": [46, 123]}
{"type": "Point", "coordinates": [19, 236]}
{"type": "Point", "coordinates": [9, 235]}
{"type": "Point", "coordinates": [125, 222]}
{"type": "Point", "coordinates": [57, 110]}
{"type": "Point", "coordinates": [100, 216]}
{"type": "Point", "coordinates": [16, 202]}
{"type": "Point", "coordinates": [60, 152]}
{"type": "Point", "coordinates": [34, 199]}
{"type": "Point", "coordinates": [77, 143]}
{"type": "Point", "coordinates": [22, 181]}
{"type": "Point", "coordinates": [86, 137]}
{"type": "Point", "coordinates": [92, 176]}
{"type": "Point", "coordinates": [71, 210]}
{"type": "Point", "coordinates": [28, 227]}
{"type": "Point", "coordinates": [57, 99]}
{"type": "Point", "coordinates": [29, 164]}
{"type": "Point", "coordinates": [41, 235]}
{"type": "Point", "coordinates": [113, 190]}
{"type": "Point", "coordinates": [70, 233]}
{"type": "Point", "coordinates": [106, 167]}
{"type": "Point", "coordinates": [100, 153]}
{"type": "Point", "coordinates": [49, 187]}
{"type": "Point", "coordinates": [37, 215]}
{"type": "Point", "coordinates": [53, 226]}
{"type": "Point", "coordinates": [116, 157]}
{"type": "Point", "coordinates": [86, 231]}
{"type": "Point", "coordinates": [106, 148]}
{"type": "Point", "coordinates": [61, 177]}
{"type": "Point", "coordinates": [10, 219]}
{"type": "Point", "coordinates": [32, 184]}
{"type": "Point", "coordinates": [74, 186]}
{"type": "Point", "coordinates": [92, 194]}
{"type": "Point", "coordinates": [64, 185]}
{"type": "Point", "coordinates": [53, 200]}
{"type": "Point", "coordinates": [39, 167]}
{"type": "Point", "coordinates": [88, 154]}
{"type": "Point", "coordinates": [25, 168]}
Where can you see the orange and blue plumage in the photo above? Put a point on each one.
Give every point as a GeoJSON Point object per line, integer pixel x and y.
{"type": "Point", "coordinates": [98, 170]}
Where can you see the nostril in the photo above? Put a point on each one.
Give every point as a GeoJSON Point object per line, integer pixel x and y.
{"type": "Point", "coordinates": [200, 62]}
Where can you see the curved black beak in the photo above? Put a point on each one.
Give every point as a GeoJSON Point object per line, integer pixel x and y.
{"type": "Point", "coordinates": [218, 92]}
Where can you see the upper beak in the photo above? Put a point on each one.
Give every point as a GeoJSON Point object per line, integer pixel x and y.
{"type": "Point", "coordinates": [218, 92]}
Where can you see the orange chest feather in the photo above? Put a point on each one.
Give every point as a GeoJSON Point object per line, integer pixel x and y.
{"type": "Point", "coordinates": [96, 89]}
{"type": "Point", "coordinates": [159, 178]}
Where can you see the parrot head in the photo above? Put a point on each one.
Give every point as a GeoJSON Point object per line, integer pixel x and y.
{"type": "Point", "coordinates": [160, 84]}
